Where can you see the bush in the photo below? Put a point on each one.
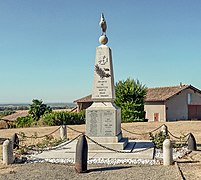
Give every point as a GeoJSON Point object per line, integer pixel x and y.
{"type": "Point", "coordinates": [64, 117]}
{"type": "Point", "coordinates": [26, 121]}
{"type": "Point", "coordinates": [52, 119]}
{"type": "Point", "coordinates": [158, 139]}
{"type": "Point", "coordinates": [130, 96]}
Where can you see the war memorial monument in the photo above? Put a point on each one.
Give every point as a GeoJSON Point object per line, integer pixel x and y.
{"type": "Point", "coordinates": [103, 117]}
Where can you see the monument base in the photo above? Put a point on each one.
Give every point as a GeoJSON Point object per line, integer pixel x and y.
{"type": "Point", "coordinates": [119, 145]}
{"type": "Point", "coordinates": [103, 125]}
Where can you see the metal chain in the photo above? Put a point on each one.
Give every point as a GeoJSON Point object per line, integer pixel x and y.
{"type": "Point", "coordinates": [117, 151]}
{"type": "Point", "coordinates": [51, 148]}
{"type": "Point", "coordinates": [74, 130]}
{"type": "Point", "coordinates": [176, 136]}
{"type": "Point", "coordinates": [142, 133]}
{"type": "Point", "coordinates": [36, 137]}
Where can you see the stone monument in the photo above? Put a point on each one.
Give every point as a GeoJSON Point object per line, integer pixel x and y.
{"type": "Point", "coordinates": [103, 117]}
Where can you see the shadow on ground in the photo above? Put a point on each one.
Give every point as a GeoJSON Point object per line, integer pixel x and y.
{"type": "Point", "coordinates": [109, 168]}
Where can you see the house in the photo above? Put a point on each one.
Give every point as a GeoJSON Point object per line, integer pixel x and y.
{"type": "Point", "coordinates": [83, 103]}
{"type": "Point", "coordinates": [173, 103]}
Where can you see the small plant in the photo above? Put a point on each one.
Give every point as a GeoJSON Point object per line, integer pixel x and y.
{"type": "Point", "coordinates": [158, 139]}
{"type": "Point", "coordinates": [21, 151]}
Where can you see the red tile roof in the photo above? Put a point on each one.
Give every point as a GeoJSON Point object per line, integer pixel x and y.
{"type": "Point", "coordinates": [84, 99]}
{"type": "Point", "coordinates": [164, 93]}
{"type": "Point", "coordinates": [154, 94]}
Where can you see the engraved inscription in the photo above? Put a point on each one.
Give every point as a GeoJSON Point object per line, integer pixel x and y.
{"type": "Point", "coordinates": [93, 126]}
{"type": "Point", "coordinates": [108, 123]}
{"type": "Point", "coordinates": [101, 123]}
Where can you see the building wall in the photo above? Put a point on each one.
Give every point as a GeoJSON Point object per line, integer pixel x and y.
{"type": "Point", "coordinates": [177, 106]}
{"type": "Point", "coordinates": [83, 105]}
{"type": "Point", "coordinates": [196, 97]}
{"type": "Point", "coordinates": [152, 108]}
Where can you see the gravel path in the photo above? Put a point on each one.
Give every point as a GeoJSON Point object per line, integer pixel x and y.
{"type": "Point", "coordinates": [50, 171]}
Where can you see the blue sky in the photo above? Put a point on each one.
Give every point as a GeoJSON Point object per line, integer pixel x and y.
{"type": "Point", "coordinates": [47, 47]}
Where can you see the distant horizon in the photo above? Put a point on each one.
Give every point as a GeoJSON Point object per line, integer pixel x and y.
{"type": "Point", "coordinates": [26, 103]}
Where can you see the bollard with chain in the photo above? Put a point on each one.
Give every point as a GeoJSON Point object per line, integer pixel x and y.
{"type": "Point", "coordinates": [164, 129]}
{"type": "Point", "coordinates": [15, 141]}
{"type": "Point", "coordinates": [81, 155]}
{"type": "Point", "coordinates": [192, 142]}
{"type": "Point", "coordinates": [7, 152]}
{"type": "Point", "coordinates": [63, 132]}
{"type": "Point", "coordinates": [167, 153]}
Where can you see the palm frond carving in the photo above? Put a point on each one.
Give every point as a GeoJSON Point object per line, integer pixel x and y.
{"type": "Point", "coordinates": [101, 72]}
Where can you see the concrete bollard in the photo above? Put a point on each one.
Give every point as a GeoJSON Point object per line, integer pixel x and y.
{"type": "Point", "coordinates": [7, 152]}
{"type": "Point", "coordinates": [167, 153]}
{"type": "Point", "coordinates": [15, 141]}
{"type": "Point", "coordinates": [164, 129]}
{"type": "Point", "coordinates": [81, 155]}
{"type": "Point", "coordinates": [192, 142]}
{"type": "Point", "coordinates": [63, 132]}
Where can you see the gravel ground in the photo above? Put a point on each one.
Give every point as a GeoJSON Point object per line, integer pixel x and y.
{"type": "Point", "coordinates": [61, 172]}
{"type": "Point", "coordinates": [191, 165]}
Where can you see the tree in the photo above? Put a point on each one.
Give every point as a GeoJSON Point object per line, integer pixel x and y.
{"type": "Point", "coordinates": [37, 109]}
{"type": "Point", "coordinates": [130, 96]}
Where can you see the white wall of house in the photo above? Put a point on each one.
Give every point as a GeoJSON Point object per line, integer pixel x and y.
{"type": "Point", "coordinates": [195, 97]}
{"type": "Point", "coordinates": [177, 106]}
{"type": "Point", "coordinates": [152, 108]}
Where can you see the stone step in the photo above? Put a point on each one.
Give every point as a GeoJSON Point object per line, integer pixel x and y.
{"type": "Point", "coordinates": [115, 145]}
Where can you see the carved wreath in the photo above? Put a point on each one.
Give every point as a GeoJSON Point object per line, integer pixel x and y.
{"type": "Point", "coordinates": [101, 72]}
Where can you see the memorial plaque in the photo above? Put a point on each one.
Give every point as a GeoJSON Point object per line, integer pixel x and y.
{"type": "Point", "coordinates": [101, 123]}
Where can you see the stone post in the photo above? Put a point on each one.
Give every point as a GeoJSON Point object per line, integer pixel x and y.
{"type": "Point", "coordinates": [192, 142]}
{"type": "Point", "coordinates": [167, 153]}
{"type": "Point", "coordinates": [63, 132]}
{"type": "Point", "coordinates": [7, 152]}
{"type": "Point", "coordinates": [164, 130]}
{"type": "Point", "coordinates": [81, 155]}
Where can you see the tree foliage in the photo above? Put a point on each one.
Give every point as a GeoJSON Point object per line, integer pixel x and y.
{"type": "Point", "coordinates": [37, 109]}
{"type": "Point", "coordinates": [130, 96]}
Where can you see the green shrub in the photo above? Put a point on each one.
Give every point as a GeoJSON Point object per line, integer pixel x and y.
{"type": "Point", "coordinates": [26, 121]}
{"type": "Point", "coordinates": [52, 119]}
{"type": "Point", "coordinates": [130, 96]}
{"type": "Point", "coordinates": [158, 139]}
{"type": "Point", "coordinates": [64, 117]}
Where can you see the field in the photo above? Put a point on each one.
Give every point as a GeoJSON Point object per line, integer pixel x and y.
{"type": "Point", "coordinates": [178, 128]}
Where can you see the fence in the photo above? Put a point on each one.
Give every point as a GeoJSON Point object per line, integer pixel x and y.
{"type": "Point", "coordinates": [49, 143]}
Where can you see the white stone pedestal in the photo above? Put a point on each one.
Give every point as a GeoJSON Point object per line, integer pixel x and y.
{"type": "Point", "coordinates": [103, 124]}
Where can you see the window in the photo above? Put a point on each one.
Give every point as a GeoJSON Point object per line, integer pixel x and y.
{"type": "Point", "coordinates": [189, 98]}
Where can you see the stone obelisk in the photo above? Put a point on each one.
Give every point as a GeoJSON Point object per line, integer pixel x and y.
{"type": "Point", "coordinates": [103, 117]}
